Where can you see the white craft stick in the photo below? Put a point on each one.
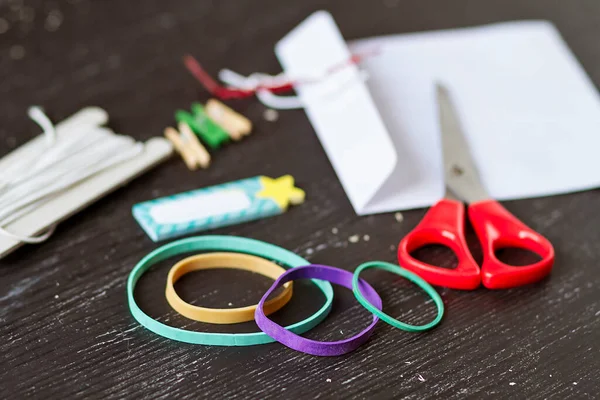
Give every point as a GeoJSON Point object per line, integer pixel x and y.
{"type": "Point", "coordinates": [68, 198]}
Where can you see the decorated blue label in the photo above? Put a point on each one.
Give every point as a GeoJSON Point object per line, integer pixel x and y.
{"type": "Point", "coordinates": [215, 206]}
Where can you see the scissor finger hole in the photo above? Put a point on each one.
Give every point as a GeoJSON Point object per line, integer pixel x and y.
{"type": "Point", "coordinates": [517, 256]}
{"type": "Point", "coordinates": [436, 254]}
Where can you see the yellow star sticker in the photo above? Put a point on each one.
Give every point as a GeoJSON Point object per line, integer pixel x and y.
{"type": "Point", "coordinates": [281, 190]}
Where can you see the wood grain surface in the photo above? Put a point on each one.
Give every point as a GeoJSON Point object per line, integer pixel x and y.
{"type": "Point", "coordinates": [65, 327]}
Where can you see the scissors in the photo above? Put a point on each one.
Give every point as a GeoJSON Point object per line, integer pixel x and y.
{"type": "Point", "coordinates": [495, 227]}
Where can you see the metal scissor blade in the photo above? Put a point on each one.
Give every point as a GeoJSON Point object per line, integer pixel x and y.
{"type": "Point", "coordinates": [460, 172]}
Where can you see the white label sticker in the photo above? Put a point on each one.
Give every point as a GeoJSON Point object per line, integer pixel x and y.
{"type": "Point", "coordinates": [200, 206]}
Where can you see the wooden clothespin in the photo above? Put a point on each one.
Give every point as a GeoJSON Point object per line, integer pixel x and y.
{"type": "Point", "coordinates": [200, 153]}
{"type": "Point", "coordinates": [210, 132]}
{"type": "Point", "coordinates": [234, 123]}
{"type": "Point", "coordinates": [194, 154]}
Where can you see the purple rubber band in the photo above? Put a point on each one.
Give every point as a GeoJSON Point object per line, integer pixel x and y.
{"type": "Point", "coordinates": [296, 342]}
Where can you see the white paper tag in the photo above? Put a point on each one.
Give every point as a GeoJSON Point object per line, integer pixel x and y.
{"type": "Point", "coordinates": [200, 206]}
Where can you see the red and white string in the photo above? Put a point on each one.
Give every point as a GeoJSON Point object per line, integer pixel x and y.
{"type": "Point", "coordinates": [267, 88]}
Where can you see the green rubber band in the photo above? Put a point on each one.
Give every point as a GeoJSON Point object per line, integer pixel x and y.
{"type": "Point", "coordinates": [405, 274]}
{"type": "Point", "coordinates": [222, 243]}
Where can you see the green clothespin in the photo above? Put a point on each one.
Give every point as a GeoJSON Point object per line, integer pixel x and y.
{"type": "Point", "coordinates": [210, 133]}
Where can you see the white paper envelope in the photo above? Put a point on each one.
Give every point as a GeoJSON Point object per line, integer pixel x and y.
{"type": "Point", "coordinates": [530, 113]}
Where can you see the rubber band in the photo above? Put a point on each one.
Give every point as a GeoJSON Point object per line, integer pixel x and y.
{"type": "Point", "coordinates": [29, 239]}
{"type": "Point", "coordinates": [316, 348]}
{"type": "Point", "coordinates": [414, 278]}
{"type": "Point", "coordinates": [221, 243]}
{"type": "Point", "coordinates": [224, 260]}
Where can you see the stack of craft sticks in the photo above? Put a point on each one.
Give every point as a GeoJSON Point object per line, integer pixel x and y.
{"type": "Point", "coordinates": [211, 125]}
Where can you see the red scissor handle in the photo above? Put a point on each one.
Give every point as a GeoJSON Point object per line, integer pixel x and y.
{"type": "Point", "coordinates": [443, 224]}
{"type": "Point", "coordinates": [497, 228]}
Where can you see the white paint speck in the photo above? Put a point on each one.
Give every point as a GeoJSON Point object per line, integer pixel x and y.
{"type": "Point", "coordinates": [354, 239]}
{"type": "Point", "coordinates": [407, 362]}
{"type": "Point", "coordinates": [17, 52]}
{"type": "Point", "coordinates": [328, 380]}
{"type": "Point", "coordinates": [342, 332]}
{"type": "Point", "coordinates": [229, 304]}
{"type": "Point", "coordinates": [420, 378]}
{"type": "Point", "coordinates": [309, 251]}
{"type": "Point", "coordinates": [56, 296]}
{"type": "Point", "coordinates": [574, 383]}
{"type": "Point", "coordinates": [53, 21]}
{"type": "Point", "coordinates": [271, 115]}
{"type": "Point", "coordinates": [4, 25]}
{"type": "Point", "coordinates": [597, 313]}
{"type": "Point", "coordinates": [366, 238]}
{"type": "Point", "coordinates": [166, 21]}
{"type": "Point", "coordinates": [399, 217]}
{"type": "Point", "coordinates": [512, 383]}
{"type": "Point", "coordinates": [550, 375]}
{"type": "Point", "coordinates": [334, 231]}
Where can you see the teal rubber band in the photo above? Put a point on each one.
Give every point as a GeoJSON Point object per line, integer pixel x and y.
{"type": "Point", "coordinates": [222, 243]}
{"type": "Point", "coordinates": [420, 282]}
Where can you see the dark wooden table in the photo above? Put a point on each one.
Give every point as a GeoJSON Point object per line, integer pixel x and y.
{"type": "Point", "coordinates": [65, 327]}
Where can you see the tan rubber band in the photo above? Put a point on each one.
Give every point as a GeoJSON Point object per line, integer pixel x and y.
{"type": "Point", "coordinates": [225, 260]}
